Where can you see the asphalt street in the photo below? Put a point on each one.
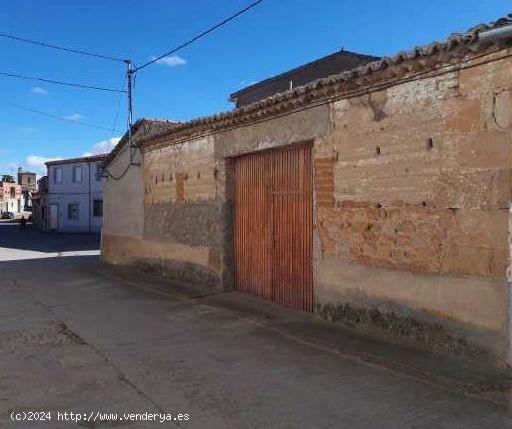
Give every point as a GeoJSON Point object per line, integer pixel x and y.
{"type": "Point", "coordinates": [76, 336]}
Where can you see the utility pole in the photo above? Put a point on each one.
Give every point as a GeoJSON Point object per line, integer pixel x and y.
{"type": "Point", "coordinates": [129, 79]}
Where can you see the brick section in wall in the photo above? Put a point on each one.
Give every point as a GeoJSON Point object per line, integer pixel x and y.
{"type": "Point", "coordinates": [324, 181]}
{"type": "Point", "coordinates": [324, 191]}
{"type": "Point", "coordinates": [181, 178]}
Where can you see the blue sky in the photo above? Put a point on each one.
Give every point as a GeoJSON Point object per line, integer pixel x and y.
{"type": "Point", "coordinates": [274, 37]}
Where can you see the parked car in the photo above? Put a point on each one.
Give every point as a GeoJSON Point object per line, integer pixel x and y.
{"type": "Point", "coordinates": [7, 215]}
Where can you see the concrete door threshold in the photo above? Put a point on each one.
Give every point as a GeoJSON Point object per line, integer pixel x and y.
{"type": "Point", "coordinates": [466, 376]}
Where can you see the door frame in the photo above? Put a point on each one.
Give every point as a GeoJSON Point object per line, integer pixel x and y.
{"type": "Point", "coordinates": [56, 217]}
{"type": "Point", "coordinates": [230, 193]}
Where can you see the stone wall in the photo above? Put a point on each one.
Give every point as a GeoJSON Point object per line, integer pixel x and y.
{"type": "Point", "coordinates": [413, 192]}
{"type": "Point", "coordinates": [412, 187]}
{"type": "Point", "coordinates": [420, 179]}
{"type": "Point", "coordinates": [185, 206]}
{"type": "Point", "coordinates": [187, 195]}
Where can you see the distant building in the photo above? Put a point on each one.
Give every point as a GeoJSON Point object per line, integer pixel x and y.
{"type": "Point", "coordinates": [324, 67]}
{"type": "Point", "coordinates": [74, 200]}
{"type": "Point", "coordinates": [27, 180]}
{"type": "Point", "coordinates": [40, 203]}
{"type": "Point", "coordinates": [11, 198]}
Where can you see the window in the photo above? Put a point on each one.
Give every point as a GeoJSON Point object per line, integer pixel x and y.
{"type": "Point", "coordinates": [57, 175]}
{"type": "Point", "coordinates": [97, 208]}
{"type": "Point", "coordinates": [99, 172]}
{"type": "Point", "coordinates": [77, 174]}
{"type": "Point", "coordinates": [73, 210]}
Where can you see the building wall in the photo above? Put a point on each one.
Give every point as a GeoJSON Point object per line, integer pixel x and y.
{"type": "Point", "coordinates": [411, 195]}
{"type": "Point", "coordinates": [11, 198]}
{"type": "Point", "coordinates": [412, 207]}
{"type": "Point", "coordinates": [69, 192]}
{"type": "Point", "coordinates": [123, 210]}
{"type": "Point", "coordinates": [39, 212]}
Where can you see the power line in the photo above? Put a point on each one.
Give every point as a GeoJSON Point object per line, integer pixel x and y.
{"type": "Point", "coordinates": [116, 116]}
{"type": "Point", "coordinates": [58, 82]}
{"type": "Point", "coordinates": [51, 115]}
{"type": "Point", "coordinates": [62, 48]}
{"type": "Point", "coordinates": [204, 33]}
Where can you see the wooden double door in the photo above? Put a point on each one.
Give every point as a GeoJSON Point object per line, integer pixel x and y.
{"type": "Point", "coordinates": [273, 226]}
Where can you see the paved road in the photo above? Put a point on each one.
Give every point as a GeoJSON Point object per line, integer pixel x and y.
{"type": "Point", "coordinates": [18, 244]}
{"type": "Point", "coordinates": [78, 337]}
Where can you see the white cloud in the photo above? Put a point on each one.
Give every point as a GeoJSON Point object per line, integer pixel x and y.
{"type": "Point", "coordinates": [39, 91]}
{"type": "Point", "coordinates": [104, 146]}
{"type": "Point", "coordinates": [37, 162]}
{"type": "Point", "coordinates": [171, 61]}
{"type": "Point", "coordinates": [74, 117]}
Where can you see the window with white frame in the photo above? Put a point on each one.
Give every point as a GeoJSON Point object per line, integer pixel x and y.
{"type": "Point", "coordinates": [77, 174]}
{"type": "Point", "coordinates": [73, 211]}
{"type": "Point", "coordinates": [57, 175]}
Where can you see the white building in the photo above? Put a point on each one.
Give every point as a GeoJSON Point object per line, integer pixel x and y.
{"type": "Point", "coordinates": [11, 197]}
{"type": "Point", "coordinates": [75, 195]}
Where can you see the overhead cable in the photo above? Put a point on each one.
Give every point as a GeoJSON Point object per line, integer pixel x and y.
{"type": "Point", "coordinates": [58, 82]}
{"type": "Point", "coordinates": [51, 115]}
{"type": "Point", "coordinates": [61, 48]}
{"type": "Point", "coordinates": [200, 35]}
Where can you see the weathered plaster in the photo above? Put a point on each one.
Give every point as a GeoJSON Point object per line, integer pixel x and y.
{"type": "Point", "coordinates": [123, 203]}
{"type": "Point", "coordinates": [412, 186]}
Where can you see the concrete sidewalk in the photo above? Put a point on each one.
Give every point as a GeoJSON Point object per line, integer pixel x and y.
{"type": "Point", "coordinates": [457, 373]}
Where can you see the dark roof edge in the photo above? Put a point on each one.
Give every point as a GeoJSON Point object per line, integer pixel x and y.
{"type": "Point", "coordinates": [91, 158]}
{"type": "Point", "coordinates": [124, 139]}
{"type": "Point", "coordinates": [233, 96]}
{"type": "Point", "coordinates": [117, 148]}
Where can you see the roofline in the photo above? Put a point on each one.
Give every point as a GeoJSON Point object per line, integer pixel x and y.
{"type": "Point", "coordinates": [75, 160]}
{"type": "Point", "coordinates": [234, 95]}
{"type": "Point", "coordinates": [377, 74]}
{"type": "Point", "coordinates": [124, 139]}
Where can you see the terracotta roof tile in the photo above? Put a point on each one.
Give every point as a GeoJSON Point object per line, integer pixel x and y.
{"type": "Point", "coordinates": [463, 42]}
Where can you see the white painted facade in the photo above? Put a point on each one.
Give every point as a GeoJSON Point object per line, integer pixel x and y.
{"type": "Point", "coordinates": [11, 198]}
{"type": "Point", "coordinates": [75, 195]}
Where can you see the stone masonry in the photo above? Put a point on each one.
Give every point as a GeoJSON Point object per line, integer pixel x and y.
{"type": "Point", "coordinates": [412, 186]}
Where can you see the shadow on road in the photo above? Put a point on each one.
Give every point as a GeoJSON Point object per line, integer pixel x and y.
{"type": "Point", "coordinates": [12, 236]}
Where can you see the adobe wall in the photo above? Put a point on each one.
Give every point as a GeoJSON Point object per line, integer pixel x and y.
{"type": "Point", "coordinates": [411, 195]}
{"type": "Point", "coordinates": [187, 196]}
{"type": "Point", "coordinates": [123, 210]}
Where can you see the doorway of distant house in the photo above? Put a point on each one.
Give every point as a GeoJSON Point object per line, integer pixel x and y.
{"type": "Point", "coordinates": [54, 217]}
{"type": "Point", "coordinates": [273, 228]}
